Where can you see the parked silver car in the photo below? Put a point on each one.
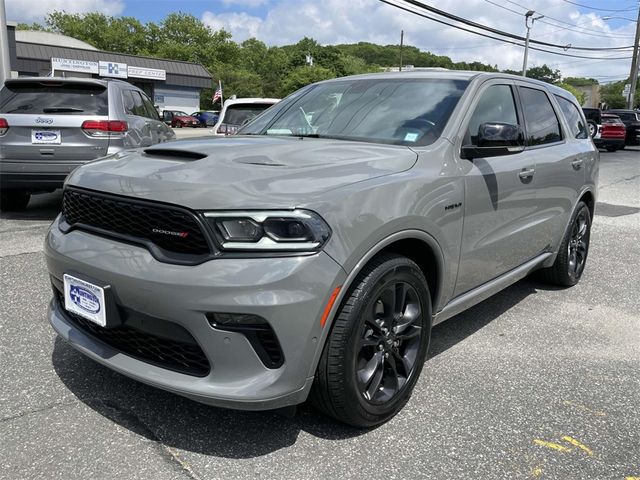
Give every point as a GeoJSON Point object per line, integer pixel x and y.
{"type": "Point", "coordinates": [49, 126]}
{"type": "Point", "coordinates": [311, 254]}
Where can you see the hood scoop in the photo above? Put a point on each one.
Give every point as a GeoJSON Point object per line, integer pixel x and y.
{"type": "Point", "coordinates": [175, 153]}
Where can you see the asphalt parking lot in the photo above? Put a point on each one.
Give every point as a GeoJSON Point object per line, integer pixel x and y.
{"type": "Point", "coordinates": [535, 382]}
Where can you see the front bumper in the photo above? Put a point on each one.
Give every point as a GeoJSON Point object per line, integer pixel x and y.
{"type": "Point", "coordinates": [290, 293]}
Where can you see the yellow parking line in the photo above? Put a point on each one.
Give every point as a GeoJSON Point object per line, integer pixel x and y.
{"type": "Point", "coordinates": [551, 445]}
{"type": "Point", "coordinates": [578, 444]}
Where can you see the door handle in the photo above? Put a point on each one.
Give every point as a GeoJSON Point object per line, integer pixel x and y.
{"type": "Point", "coordinates": [576, 164]}
{"type": "Point", "coordinates": [526, 174]}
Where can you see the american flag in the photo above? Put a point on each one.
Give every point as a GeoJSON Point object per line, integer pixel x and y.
{"type": "Point", "coordinates": [218, 93]}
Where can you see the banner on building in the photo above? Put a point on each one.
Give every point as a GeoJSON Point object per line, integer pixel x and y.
{"type": "Point", "coordinates": [143, 72]}
{"type": "Point", "coordinates": [113, 69]}
{"type": "Point", "coordinates": [70, 65]}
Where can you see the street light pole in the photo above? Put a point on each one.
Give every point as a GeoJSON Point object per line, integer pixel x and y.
{"type": "Point", "coordinates": [634, 65]}
{"type": "Point", "coordinates": [527, 16]}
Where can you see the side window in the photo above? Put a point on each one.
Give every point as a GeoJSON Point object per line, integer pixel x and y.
{"type": "Point", "coordinates": [138, 106]}
{"type": "Point", "coordinates": [129, 104]}
{"type": "Point", "coordinates": [573, 117]}
{"type": "Point", "coordinates": [150, 109]}
{"type": "Point", "coordinates": [496, 105]}
{"type": "Point", "coordinates": [539, 116]}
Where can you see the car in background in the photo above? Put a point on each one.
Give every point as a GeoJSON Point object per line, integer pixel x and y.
{"type": "Point", "coordinates": [611, 133]}
{"type": "Point", "coordinates": [179, 119]}
{"type": "Point", "coordinates": [631, 120]}
{"type": "Point", "coordinates": [239, 111]}
{"type": "Point", "coordinates": [50, 126]}
{"type": "Point", "coordinates": [594, 119]}
{"type": "Point", "coordinates": [207, 118]}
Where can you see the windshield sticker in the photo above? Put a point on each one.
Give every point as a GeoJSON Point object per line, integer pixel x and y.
{"type": "Point", "coordinates": [411, 137]}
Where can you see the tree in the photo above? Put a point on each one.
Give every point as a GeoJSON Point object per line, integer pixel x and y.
{"type": "Point", "coordinates": [545, 74]}
{"type": "Point", "coordinates": [303, 76]}
{"type": "Point", "coordinates": [580, 96]}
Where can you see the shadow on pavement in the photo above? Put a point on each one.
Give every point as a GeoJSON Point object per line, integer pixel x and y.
{"type": "Point", "coordinates": [184, 424]}
{"type": "Point", "coordinates": [42, 206]}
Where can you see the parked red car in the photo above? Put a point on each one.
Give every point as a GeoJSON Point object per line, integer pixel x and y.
{"type": "Point", "coordinates": [611, 134]}
{"type": "Point", "coordinates": [179, 119]}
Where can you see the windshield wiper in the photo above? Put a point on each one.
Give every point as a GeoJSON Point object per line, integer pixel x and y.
{"type": "Point", "coordinates": [61, 109]}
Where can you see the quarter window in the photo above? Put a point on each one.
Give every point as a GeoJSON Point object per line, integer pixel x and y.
{"type": "Point", "coordinates": [150, 109]}
{"type": "Point", "coordinates": [539, 116]}
{"type": "Point", "coordinates": [496, 105]}
{"type": "Point", "coordinates": [573, 117]}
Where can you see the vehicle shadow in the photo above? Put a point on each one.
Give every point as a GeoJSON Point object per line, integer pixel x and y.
{"type": "Point", "coordinates": [187, 425]}
{"type": "Point", "coordinates": [42, 206]}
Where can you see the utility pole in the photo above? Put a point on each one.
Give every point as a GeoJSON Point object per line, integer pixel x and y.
{"type": "Point", "coordinates": [634, 65]}
{"type": "Point", "coordinates": [527, 16]}
{"type": "Point", "coordinates": [5, 65]}
{"type": "Point", "coordinates": [401, 43]}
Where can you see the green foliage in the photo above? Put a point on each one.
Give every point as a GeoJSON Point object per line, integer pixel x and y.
{"type": "Point", "coordinates": [580, 96]}
{"type": "Point", "coordinates": [544, 73]}
{"type": "Point", "coordinates": [611, 94]}
{"type": "Point", "coordinates": [580, 81]}
{"type": "Point", "coordinates": [302, 76]}
{"type": "Point", "coordinates": [32, 26]}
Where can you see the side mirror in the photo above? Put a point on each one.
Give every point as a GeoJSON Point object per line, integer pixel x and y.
{"type": "Point", "coordinates": [494, 140]}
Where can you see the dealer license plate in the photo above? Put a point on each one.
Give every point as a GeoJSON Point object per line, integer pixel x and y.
{"type": "Point", "coordinates": [84, 299]}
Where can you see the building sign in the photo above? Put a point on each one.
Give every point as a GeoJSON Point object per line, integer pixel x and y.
{"type": "Point", "coordinates": [113, 69]}
{"type": "Point", "coordinates": [143, 72]}
{"type": "Point", "coordinates": [158, 99]}
{"type": "Point", "coordinates": [70, 65]}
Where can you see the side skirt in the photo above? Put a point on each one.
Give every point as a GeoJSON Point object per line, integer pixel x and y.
{"type": "Point", "coordinates": [484, 291]}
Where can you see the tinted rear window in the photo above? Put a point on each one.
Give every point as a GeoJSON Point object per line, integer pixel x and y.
{"type": "Point", "coordinates": [539, 116]}
{"type": "Point", "coordinates": [238, 114]}
{"type": "Point", "coordinates": [62, 99]}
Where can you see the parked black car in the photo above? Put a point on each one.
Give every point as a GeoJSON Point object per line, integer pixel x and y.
{"type": "Point", "coordinates": [631, 120]}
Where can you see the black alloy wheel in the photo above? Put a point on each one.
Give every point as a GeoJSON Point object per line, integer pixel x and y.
{"type": "Point", "coordinates": [389, 343]}
{"type": "Point", "coordinates": [572, 254]}
{"type": "Point", "coordinates": [377, 345]}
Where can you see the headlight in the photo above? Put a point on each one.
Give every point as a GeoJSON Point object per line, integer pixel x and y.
{"type": "Point", "coordinates": [297, 230]}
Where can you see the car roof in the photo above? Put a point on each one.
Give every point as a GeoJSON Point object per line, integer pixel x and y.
{"type": "Point", "coordinates": [69, 80]}
{"type": "Point", "coordinates": [233, 101]}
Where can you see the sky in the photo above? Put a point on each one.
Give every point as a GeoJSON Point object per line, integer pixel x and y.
{"type": "Point", "coordinates": [593, 23]}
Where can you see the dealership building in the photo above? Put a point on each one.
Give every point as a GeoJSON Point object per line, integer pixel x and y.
{"type": "Point", "coordinates": [172, 84]}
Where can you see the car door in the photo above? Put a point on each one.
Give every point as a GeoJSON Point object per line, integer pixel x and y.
{"type": "Point", "coordinates": [500, 195]}
{"type": "Point", "coordinates": [561, 166]}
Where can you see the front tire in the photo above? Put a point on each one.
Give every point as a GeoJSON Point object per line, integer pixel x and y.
{"type": "Point", "coordinates": [376, 349]}
{"type": "Point", "coordinates": [572, 256]}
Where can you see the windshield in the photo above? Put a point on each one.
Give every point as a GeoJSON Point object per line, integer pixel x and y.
{"type": "Point", "coordinates": [68, 99]}
{"type": "Point", "coordinates": [178, 113]}
{"type": "Point", "coordinates": [396, 111]}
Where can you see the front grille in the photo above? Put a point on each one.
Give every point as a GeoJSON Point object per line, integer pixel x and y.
{"type": "Point", "coordinates": [174, 231]}
{"type": "Point", "coordinates": [183, 356]}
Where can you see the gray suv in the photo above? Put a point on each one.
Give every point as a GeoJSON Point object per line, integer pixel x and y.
{"type": "Point", "coordinates": [310, 256]}
{"type": "Point", "coordinates": [49, 126]}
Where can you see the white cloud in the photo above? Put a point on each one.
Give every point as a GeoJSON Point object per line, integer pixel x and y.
{"type": "Point", "coordinates": [340, 21]}
{"type": "Point", "coordinates": [27, 11]}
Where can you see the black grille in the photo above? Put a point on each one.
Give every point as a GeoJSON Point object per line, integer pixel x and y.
{"type": "Point", "coordinates": [173, 230]}
{"type": "Point", "coordinates": [181, 356]}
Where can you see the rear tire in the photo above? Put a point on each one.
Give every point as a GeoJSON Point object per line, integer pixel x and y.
{"type": "Point", "coordinates": [574, 249]}
{"type": "Point", "coordinates": [14, 200]}
{"type": "Point", "coordinates": [593, 128]}
{"type": "Point", "coordinates": [377, 346]}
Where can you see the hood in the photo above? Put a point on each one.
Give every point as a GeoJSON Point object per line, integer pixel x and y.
{"type": "Point", "coordinates": [241, 172]}
{"type": "Point", "coordinates": [185, 118]}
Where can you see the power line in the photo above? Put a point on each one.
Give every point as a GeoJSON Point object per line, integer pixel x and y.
{"type": "Point", "coordinates": [582, 29]}
{"type": "Point", "coordinates": [437, 20]}
{"type": "Point", "coordinates": [599, 9]}
{"type": "Point", "coordinates": [465, 21]}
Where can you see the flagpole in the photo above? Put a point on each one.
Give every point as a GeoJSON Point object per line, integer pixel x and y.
{"type": "Point", "coordinates": [221, 97]}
